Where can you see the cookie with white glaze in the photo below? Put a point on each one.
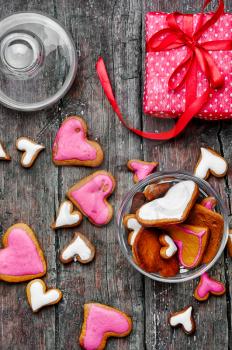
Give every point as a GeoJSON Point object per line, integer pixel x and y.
{"type": "Point", "coordinates": [184, 319]}
{"type": "Point", "coordinates": [66, 216]}
{"type": "Point", "coordinates": [30, 150]}
{"type": "Point", "coordinates": [210, 162]}
{"type": "Point", "coordinates": [39, 296]}
{"type": "Point", "coordinates": [172, 208]}
{"type": "Point", "coordinates": [78, 249]}
{"type": "Point", "coordinates": [133, 226]}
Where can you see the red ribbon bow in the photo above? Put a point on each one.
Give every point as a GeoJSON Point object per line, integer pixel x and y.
{"type": "Point", "coordinates": [198, 56]}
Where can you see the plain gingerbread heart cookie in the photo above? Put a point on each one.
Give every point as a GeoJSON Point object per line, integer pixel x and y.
{"type": "Point", "coordinates": [30, 150]}
{"type": "Point", "coordinates": [210, 162]}
{"type": "Point", "coordinates": [173, 208]}
{"type": "Point", "coordinates": [141, 169]}
{"type": "Point", "coordinates": [90, 195]}
{"type": "Point", "coordinates": [79, 249]}
{"type": "Point", "coordinates": [67, 217]}
{"type": "Point", "coordinates": [72, 147]}
{"type": "Point", "coordinates": [3, 153]}
{"type": "Point", "coordinates": [21, 259]}
{"type": "Point", "coordinates": [39, 296]}
{"type": "Point", "coordinates": [207, 286]}
{"type": "Point", "coordinates": [183, 319]}
{"type": "Point", "coordinates": [100, 323]}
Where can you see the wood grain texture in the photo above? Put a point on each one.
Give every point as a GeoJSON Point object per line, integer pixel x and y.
{"type": "Point", "coordinates": [114, 29]}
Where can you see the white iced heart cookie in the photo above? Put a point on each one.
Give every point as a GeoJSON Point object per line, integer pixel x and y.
{"type": "Point", "coordinates": [3, 154]}
{"type": "Point", "coordinates": [173, 208]}
{"type": "Point", "coordinates": [184, 319]}
{"type": "Point", "coordinates": [132, 224]}
{"type": "Point", "coordinates": [39, 296]}
{"type": "Point", "coordinates": [210, 162]}
{"type": "Point", "coordinates": [66, 217]}
{"type": "Point", "coordinates": [79, 249]}
{"type": "Point", "coordinates": [30, 151]}
{"type": "Point", "coordinates": [168, 246]}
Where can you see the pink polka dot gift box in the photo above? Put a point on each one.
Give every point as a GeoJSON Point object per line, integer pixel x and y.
{"type": "Point", "coordinates": [188, 58]}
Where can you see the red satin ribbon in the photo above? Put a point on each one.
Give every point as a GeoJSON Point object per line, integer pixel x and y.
{"type": "Point", "coordinates": [197, 57]}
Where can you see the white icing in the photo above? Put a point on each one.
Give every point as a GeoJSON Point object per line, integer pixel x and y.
{"type": "Point", "coordinates": [77, 247]}
{"type": "Point", "coordinates": [183, 318]}
{"type": "Point", "coordinates": [133, 225]}
{"type": "Point", "coordinates": [172, 205]}
{"type": "Point", "coordinates": [65, 216]}
{"type": "Point", "coordinates": [2, 152]}
{"type": "Point", "coordinates": [172, 248]}
{"type": "Point", "coordinates": [210, 161]}
{"type": "Point", "coordinates": [39, 298]}
{"type": "Point", "coordinates": [30, 148]}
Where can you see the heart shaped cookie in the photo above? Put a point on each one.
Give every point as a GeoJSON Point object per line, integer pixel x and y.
{"type": "Point", "coordinates": [141, 169]}
{"type": "Point", "coordinates": [146, 253]}
{"type": "Point", "coordinates": [191, 242]}
{"type": "Point", "coordinates": [79, 249]}
{"type": "Point", "coordinates": [156, 190]}
{"type": "Point", "coordinates": [210, 162]}
{"type": "Point", "coordinates": [183, 319]}
{"type": "Point", "coordinates": [173, 208]}
{"type": "Point", "coordinates": [208, 286]}
{"type": "Point", "coordinates": [168, 246]}
{"type": "Point", "coordinates": [3, 154]}
{"type": "Point", "coordinates": [72, 147]}
{"type": "Point", "coordinates": [132, 225]}
{"type": "Point", "coordinates": [21, 259]}
{"type": "Point", "coordinates": [90, 195]}
{"type": "Point", "coordinates": [38, 296]}
{"type": "Point", "coordinates": [66, 217]}
{"type": "Point", "coordinates": [30, 151]}
{"type": "Point", "coordinates": [100, 323]}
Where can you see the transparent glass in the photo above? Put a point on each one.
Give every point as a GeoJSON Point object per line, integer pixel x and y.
{"type": "Point", "coordinates": [38, 61]}
{"type": "Point", "coordinates": [205, 190]}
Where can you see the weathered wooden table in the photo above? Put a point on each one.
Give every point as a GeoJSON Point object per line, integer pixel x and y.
{"type": "Point", "coordinates": [114, 29]}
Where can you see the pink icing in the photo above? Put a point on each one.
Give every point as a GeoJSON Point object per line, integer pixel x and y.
{"type": "Point", "coordinates": [20, 257]}
{"type": "Point", "coordinates": [209, 204]}
{"type": "Point", "coordinates": [180, 245]}
{"type": "Point", "coordinates": [71, 142]}
{"type": "Point", "coordinates": [100, 321]}
{"type": "Point", "coordinates": [90, 197]}
{"type": "Point", "coordinates": [142, 170]}
{"type": "Point", "coordinates": [207, 285]}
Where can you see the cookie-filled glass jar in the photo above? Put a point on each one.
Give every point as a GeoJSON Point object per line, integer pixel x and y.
{"type": "Point", "coordinates": [190, 240]}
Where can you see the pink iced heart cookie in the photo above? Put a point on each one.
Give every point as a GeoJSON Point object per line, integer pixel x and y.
{"type": "Point", "coordinates": [90, 195]}
{"type": "Point", "coordinates": [71, 146]}
{"type": "Point", "coordinates": [21, 258]}
{"type": "Point", "coordinates": [141, 169]}
{"type": "Point", "coordinates": [207, 286]}
{"type": "Point", "coordinates": [100, 323]}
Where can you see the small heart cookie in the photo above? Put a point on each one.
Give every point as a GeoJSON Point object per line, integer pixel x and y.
{"type": "Point", "coordinates": [90, 195]}
{"type": "Point", "coordinates": [79, 249]}
{"type": "Point", "coordinates": [146, 253]}
{"type": "Point", "coordinates": [154, 191]}
{"type": "Point", "coordinates": [210, 162]}
{"type": "Point", "coordinates": [184, 319]}
{"type": "Point", "coordinates": [173, 208]}
{"type": "Point", "coordinates": [66, 217]}
{"type": "Point", "coordinates": [207, 286]}
{"type": "Point", "coordinates": [132, 224]}
{"type": "Point", "coordinates": [191, 242]}
{"type": "Point", "coordinates": [3, 154]}
{"type": "Point", "coordinates": [30, 151]}
{"type": "Point", "coordinates": [100, 323]}
{"type": "Point", "coordinates": [39, 296]}
{"type": "Point", "coordinates": [72, 147]}
{"type": "Point", "coordinates": [141, 169]}
{"type": "Point", "coordinates": [21, 259]}
{"type": "Point", "coordinates": [168, 246]}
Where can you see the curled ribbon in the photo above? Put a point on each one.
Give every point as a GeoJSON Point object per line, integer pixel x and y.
{"type": "Point", "coordinates": [198, 56]}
